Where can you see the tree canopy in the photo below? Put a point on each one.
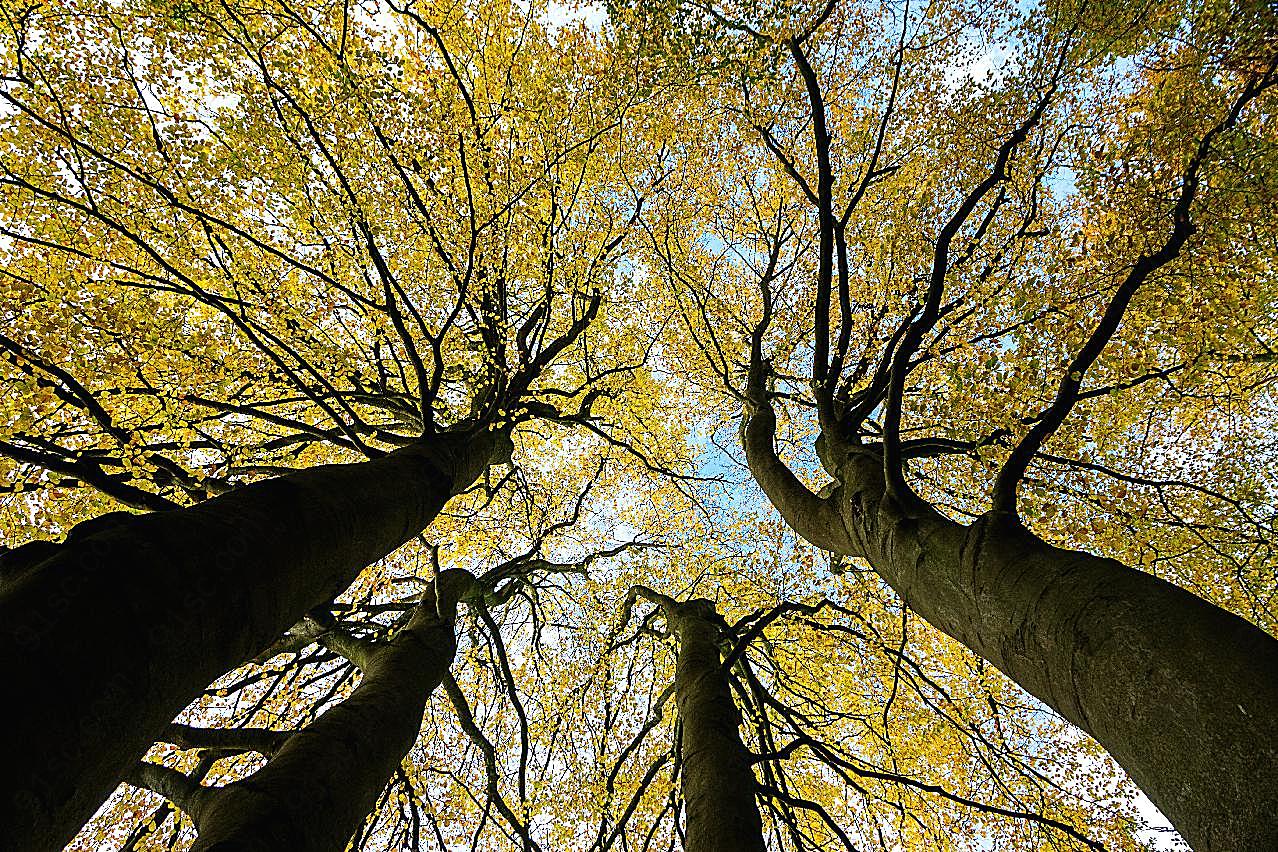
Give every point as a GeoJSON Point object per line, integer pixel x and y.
{"type": "Point", "coordinates": [501, 425]}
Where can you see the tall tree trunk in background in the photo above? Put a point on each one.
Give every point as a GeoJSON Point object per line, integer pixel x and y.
{"type": "Point", "coordinates": [107, 638]}
{"type": "Point", "coordinates": [1182, 693]}
{"type": "Point", "coordinates": [318, 788]}
{"type": "Point", "coordinates": [718, 775]}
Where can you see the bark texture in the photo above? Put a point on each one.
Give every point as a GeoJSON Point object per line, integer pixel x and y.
{"type": "Point", "coordinates": [718, 775]}
{"type": "Point", "coordinates": [108, 636]}
{"type": "Point", "coordinates": [319, 787]}
{"type": "Point", "coordinates": [1182, 693]}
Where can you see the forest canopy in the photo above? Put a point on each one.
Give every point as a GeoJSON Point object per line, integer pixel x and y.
{"type": "Point", "coordinates": [500, 425]}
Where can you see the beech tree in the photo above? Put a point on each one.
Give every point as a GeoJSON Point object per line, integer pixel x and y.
{"type": "Point", "coordinates": [176, 261]}
{"type": "Point", "coordinates": [1181, 691]}
{"type": "Point", "coordinates": [319, 783]}
{"type": "Point", "coordinates": [718, 782]}
{"type": "Point", "coordinates": [322, 317]}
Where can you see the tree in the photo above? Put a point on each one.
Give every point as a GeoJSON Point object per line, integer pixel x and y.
{"type": "Point", "coordinates": [319, 783]}
{"type": "Point", "coordinates": [440, 354]}
{"type": "Point", "coordinates": [718, 782]}
{"type": "Point", "coordinates": [345, 298]}
{"type": "Point", "coordinates": [1179, 690]}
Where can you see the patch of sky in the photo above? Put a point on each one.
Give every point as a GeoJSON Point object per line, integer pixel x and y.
{"type": "Point", "coordinates": [1062, 181]}
{"type": "Point", "coordinates": [988, 65]}
{"type": "Point", "coordinates": [592, 15]}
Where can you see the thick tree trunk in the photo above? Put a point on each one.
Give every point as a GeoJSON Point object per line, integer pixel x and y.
{"type": "Point", "coordinates": [1183, 694]}
{"type": "Point", "coordinates": [104, 641]}
{"type": "Point", "coordinates": [319, 787]}
{"type": "Point", "coordinates": [718, 776]}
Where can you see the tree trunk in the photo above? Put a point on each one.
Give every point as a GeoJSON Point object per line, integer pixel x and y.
{"type": "Point", "coordinates": [1182, 693]}
{"type": "Point", "coordinates": [104, 641]}
{"type": "Point", "coordinates": [718, 775]}
{"type": "Point", "coordinates": [321, 785]}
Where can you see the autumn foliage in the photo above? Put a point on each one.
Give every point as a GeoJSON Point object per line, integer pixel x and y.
{"type": "Point", "coordinates": [804, 335]}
